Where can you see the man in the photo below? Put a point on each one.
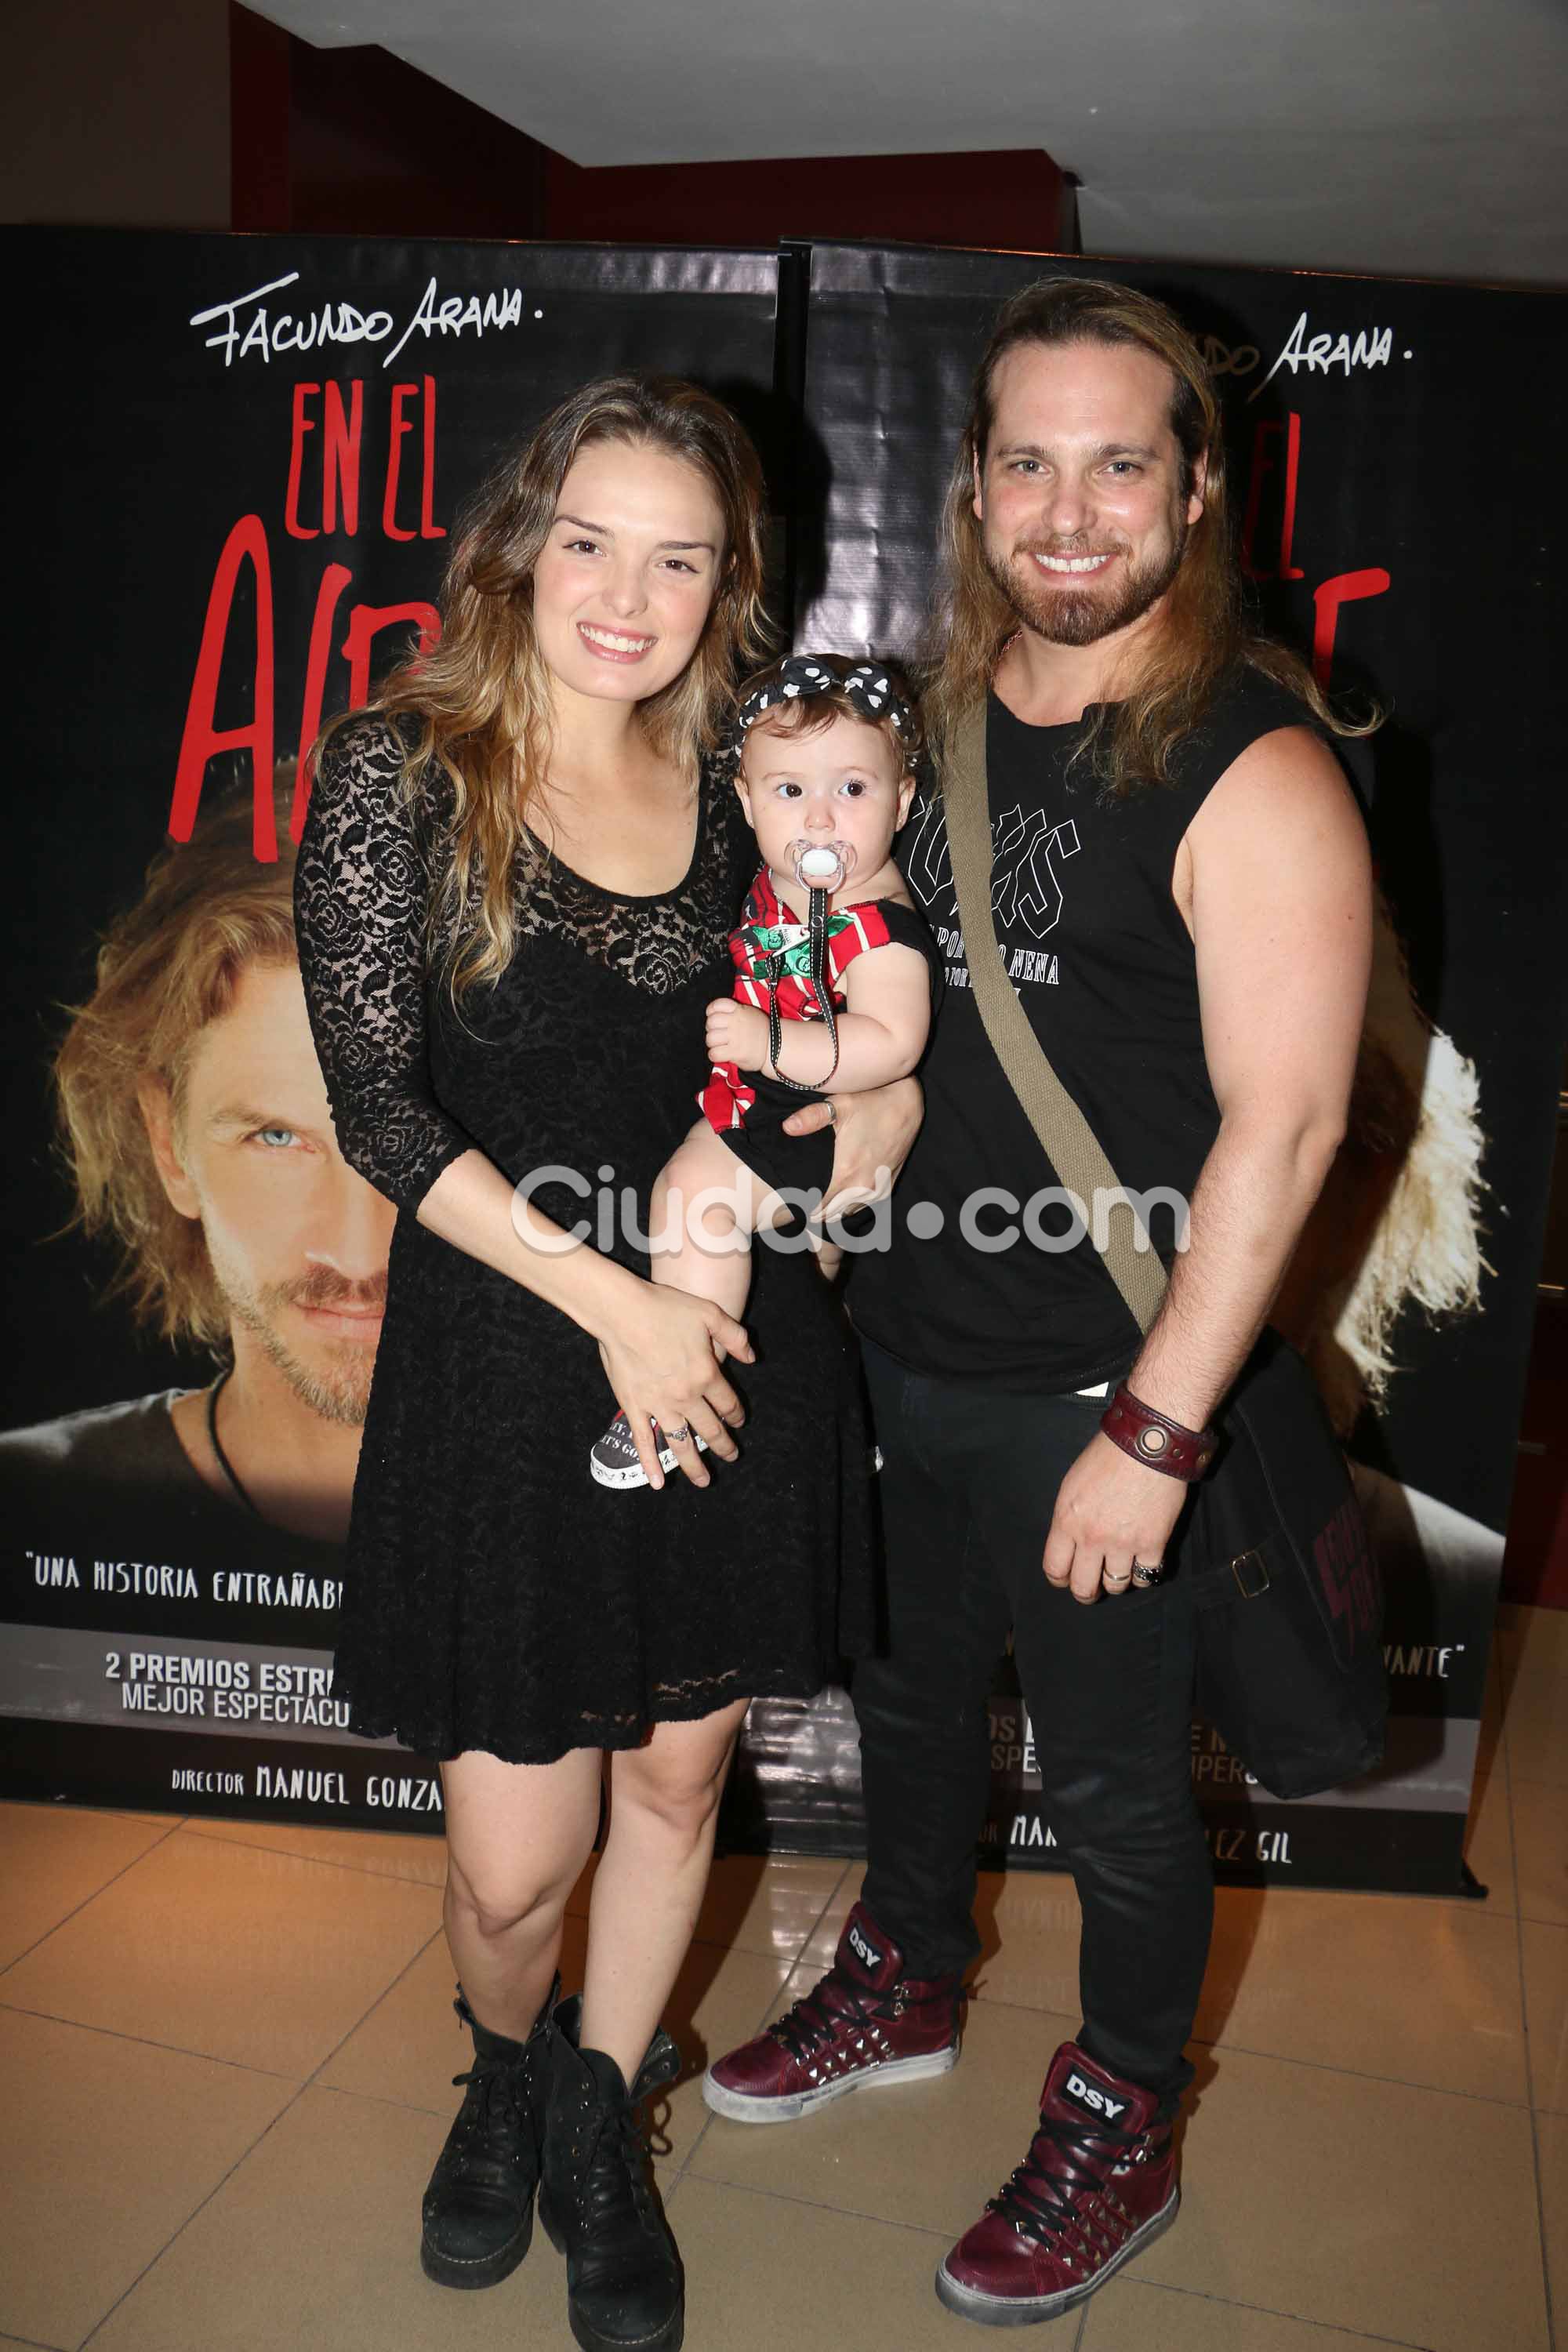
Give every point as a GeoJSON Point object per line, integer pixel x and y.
{"type": "Point", "coordinates": [196, 1125]}
{"type": "Point", "coordinates": [1182, 900]}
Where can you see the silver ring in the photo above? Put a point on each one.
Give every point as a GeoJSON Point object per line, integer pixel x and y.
{"type": "Point", "coordinates": [1148, 1571]}
{"type": "Point", "coordinates": [1109, 1579]}
{"type": "Point", "coordinates": [832, 1113]}
{"type": "Point", "coordinates": [681, 1436]}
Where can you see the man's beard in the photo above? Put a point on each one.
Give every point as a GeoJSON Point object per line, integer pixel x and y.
{"type": "Point", "coordinates": [1070, 616]}
{"type": "Point", "coordinates": [339, 1391]}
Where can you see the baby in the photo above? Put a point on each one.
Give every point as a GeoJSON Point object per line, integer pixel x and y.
{"type": "Point", "coordinates": [836, 977]}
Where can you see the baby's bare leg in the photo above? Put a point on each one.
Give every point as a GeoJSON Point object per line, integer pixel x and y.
{"type": "Point", "coordinates": [706, 1206]}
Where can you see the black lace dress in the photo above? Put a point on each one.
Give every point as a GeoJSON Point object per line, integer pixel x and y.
{"type": "Point", "coordinates": [495, 1597]}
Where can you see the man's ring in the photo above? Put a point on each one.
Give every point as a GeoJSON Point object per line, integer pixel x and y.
{"type": "Point", "coordinates": [1148, 1571]}
{"type": "Point", "coordinates": [832, 1114]}
{"type": "Point", "coordinates": [681, 1436]}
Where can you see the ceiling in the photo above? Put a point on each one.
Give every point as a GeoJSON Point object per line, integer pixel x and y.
{"type": "Point", "coordinates": [1416, 138]}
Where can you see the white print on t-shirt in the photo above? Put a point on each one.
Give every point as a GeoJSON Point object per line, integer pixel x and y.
{"type": "Point", "coordinates": [1028, 891]}
{"type": "Point", "coordinates": [1025, 886]}
{"type": "Point", "coordinates": [929, 866]}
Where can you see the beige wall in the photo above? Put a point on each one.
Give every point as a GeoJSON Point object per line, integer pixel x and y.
{"type": "Point", "coordinates": [116, 111]}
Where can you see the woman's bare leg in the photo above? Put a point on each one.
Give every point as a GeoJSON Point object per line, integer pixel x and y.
{"type": "Point", "coordinates": [664, 1800]}
{"type": "Point", "coordinates": [517, 1838]}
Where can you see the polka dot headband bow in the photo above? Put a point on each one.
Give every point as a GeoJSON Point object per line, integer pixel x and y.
{"type": "Point", "coordinates": [869, 687]}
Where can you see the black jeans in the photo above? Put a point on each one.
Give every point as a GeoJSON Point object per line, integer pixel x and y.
{"type": "Point", "coordinates": [967, 1489]}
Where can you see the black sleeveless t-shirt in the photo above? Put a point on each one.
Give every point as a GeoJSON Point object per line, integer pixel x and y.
{"type": "Point", "coordinates": [977, 1284]}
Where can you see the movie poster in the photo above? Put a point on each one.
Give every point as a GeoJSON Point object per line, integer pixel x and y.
{"type": "Point", "coordinates": [1363, 421]}
{"type": "Point", "coordinates": [243, 458]}
{"type": "Point", "coordinates": [240, 465]}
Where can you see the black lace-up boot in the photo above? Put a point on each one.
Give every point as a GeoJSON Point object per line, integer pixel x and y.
{"type": "Point", "coordinates": [597, 2201]}
{"type": "Point", "coordinates": [478, 2205]}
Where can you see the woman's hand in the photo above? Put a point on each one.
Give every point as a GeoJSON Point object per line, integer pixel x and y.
{"type": "Point", "coordinates": [661, 1351]}
{"type": "Point", "coordinates": [873, 1133]}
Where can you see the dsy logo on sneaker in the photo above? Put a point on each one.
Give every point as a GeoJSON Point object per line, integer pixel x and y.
{"type": "Point", "coordinates": [866, 1953]}
{"type": "Point", "coordinates": [1094, 2101]}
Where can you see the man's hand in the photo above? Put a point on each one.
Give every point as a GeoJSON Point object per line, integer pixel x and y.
{"type": "Point", "coordinates": [737, 1034]}
{"type": "Point", "coordinates": [1111, 1511]}
{"type": "Point", "coordinates": [872, 1135]}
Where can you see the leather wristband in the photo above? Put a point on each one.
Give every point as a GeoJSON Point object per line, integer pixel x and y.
{"type": "Point", "coordinates": [1159, 1444]}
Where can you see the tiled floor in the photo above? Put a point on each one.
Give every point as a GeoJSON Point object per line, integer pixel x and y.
{"type": "Point", "coordinates": [226, 2050]}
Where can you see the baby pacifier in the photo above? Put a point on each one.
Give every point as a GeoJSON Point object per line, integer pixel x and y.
{"type": "Point", "coordinates": [820, 868]}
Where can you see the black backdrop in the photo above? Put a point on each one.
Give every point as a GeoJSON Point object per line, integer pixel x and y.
{"type": "Point", "coordinates": [168, 413]}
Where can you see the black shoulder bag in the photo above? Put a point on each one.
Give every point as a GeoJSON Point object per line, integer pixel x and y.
{"type": "Point", "coordinates": [1285, 1588]}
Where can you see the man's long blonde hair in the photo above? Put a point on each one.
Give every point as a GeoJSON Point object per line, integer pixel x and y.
{"type": "Point", "coordinates": [167, 967]}
{"type": "Point", "coordinates": [1204, 632]}
{"type": "Point", "coordinates": [478, 704]}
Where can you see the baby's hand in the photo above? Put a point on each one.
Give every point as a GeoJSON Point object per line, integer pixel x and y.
{"type": "Point", "coordinates": [737, 1034]}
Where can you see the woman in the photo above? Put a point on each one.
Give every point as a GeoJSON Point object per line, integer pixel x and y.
{"type": "Point", "coordinates": [514, 892]}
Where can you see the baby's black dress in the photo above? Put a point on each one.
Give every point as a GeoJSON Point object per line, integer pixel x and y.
{"type": "Point", "coordinates": [494, 1596]}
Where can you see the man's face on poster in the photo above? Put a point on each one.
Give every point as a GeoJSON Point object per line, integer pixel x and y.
{"type": "Point", "coordinates": [297, 1240]}
{"type": "Point", "coordinates": [1079, 492]}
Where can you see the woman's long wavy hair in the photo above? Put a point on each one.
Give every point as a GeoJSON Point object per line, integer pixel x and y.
{"type": "Point", "coordinates": [1205, 630]}
{"type": "Point", "coordinates": [480, 699]}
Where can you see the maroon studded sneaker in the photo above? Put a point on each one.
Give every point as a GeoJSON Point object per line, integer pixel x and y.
{"type": "Point", "coordinates": [865, 2021]}
{"type": "Point", "coordinates": [1097, 2185]}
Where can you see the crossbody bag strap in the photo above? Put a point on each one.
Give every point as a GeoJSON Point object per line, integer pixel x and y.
{"type": "Point", "coordinates": [1070, 1142]}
